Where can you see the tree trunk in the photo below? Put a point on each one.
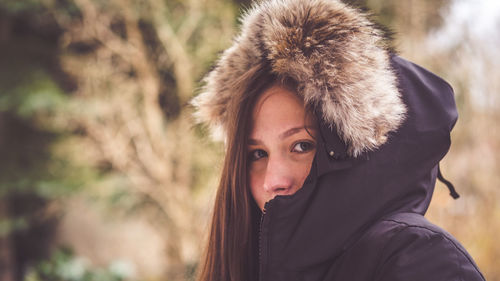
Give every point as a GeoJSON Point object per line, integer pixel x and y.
{"type": "Point", "coordinates": [7, 260]}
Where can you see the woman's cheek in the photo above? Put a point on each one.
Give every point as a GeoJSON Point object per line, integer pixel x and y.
{"type": "Point", "coordinates": [254, 173]}
{"type": "Point", "coordinates": [302, 168]}
{"type": "Point", "coordinates": [256, 180]}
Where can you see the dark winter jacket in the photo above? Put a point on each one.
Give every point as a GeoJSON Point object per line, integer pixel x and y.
{"type": "Point", "coordinates": [362, 219]}
{"type": "Point", "coordinates": [385, 124]}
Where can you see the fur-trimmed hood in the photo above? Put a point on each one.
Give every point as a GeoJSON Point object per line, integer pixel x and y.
{"type": "Point", "coordinates": [334, 53]}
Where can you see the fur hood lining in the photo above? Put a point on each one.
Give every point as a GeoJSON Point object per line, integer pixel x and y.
{"type": "Point", "coordinates": [333, 52]}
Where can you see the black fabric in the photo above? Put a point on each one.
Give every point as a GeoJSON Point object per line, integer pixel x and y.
{"type": "Point", "coordinates": [362, 219]}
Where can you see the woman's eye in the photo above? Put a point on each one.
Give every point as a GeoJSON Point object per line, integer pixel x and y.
{"type": "Point", "coordinates": [303, 146]}
{"type": "Point", "coordinates": [257, 154]}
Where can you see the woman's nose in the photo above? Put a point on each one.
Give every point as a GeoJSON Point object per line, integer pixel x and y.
{"type": "Point", "coordinates": [279, 177]}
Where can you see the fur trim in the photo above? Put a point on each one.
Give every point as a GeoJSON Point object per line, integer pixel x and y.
{"type": "Point", "coordinates": [334, 53]}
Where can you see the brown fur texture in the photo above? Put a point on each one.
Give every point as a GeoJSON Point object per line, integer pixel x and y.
{"type": "Point", "coordinates": [333, 52]}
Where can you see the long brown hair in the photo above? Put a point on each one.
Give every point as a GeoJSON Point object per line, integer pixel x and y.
{"type": "Point", "coordinates": [232, 250]}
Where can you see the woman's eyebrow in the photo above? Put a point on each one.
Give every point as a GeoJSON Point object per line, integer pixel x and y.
{"type": "Point", "coordinates": [254, 142]}
{"type": "Point", "coordinates": [295, 130]}
{"type": "Point", "coordinates": [285, 134]}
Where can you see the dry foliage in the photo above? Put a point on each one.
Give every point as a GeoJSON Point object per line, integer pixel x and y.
{"type": "Point", "coordinates": [136, 69]}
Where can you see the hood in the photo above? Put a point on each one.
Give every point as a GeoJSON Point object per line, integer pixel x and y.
{"type": "Point", "coordinates": [385, 124]}
{"type": "Point", "coordinates": [337, 57]}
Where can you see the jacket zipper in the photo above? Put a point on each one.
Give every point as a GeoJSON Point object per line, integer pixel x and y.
{"type": "Point", "coordinates": [261, 243]}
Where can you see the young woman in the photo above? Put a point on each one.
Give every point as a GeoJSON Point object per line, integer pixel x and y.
{"type": "Point", "coordinates": [333, 146]}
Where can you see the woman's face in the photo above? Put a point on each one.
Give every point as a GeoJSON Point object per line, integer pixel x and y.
{"type": "Point", "coordinates": [281, 145]}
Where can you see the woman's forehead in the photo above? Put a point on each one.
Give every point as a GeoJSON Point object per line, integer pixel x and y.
{"type": "Point", "coordinates": [276, 111]}
{"type": "Point", "coordinates": [277, 98]}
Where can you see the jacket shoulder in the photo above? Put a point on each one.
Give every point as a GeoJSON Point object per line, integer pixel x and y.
{"type": "Point", "coordinates": [415, 249]}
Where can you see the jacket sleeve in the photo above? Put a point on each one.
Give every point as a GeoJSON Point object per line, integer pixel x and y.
{"type": "Point", "coordinates": [421, 253]}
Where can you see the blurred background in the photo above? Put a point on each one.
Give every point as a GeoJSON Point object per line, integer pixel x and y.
{"type": "Point", "coordinates": [103, 175]}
